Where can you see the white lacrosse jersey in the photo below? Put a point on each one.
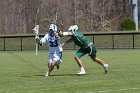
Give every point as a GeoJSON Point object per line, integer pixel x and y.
{"type": "Point", "coordinates": [53, 43]}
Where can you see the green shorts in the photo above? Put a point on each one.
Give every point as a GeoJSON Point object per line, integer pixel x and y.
{"type": "Point", "coordinates": [91, 51]}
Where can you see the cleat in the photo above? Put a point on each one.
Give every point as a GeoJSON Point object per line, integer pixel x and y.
{"type": "Point", "coordinates": [106, 68]}
{"type": "Point", "coordinates": [81, 73]}
{"type": "Point", "coordinates": [57, 66]}
{"type": "Point", "coordinates": [47, 74]}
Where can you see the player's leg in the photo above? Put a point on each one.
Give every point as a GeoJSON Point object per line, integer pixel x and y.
{"type": "Point", "coordinates": [50, 67]}
{"type": "Point", "coordinates": [79, 62]}
{"type": "Point", "coordinates": [93, 56]}
{"type": "Point", "coordinates": [54, 60]}
{"type": "Point", "coordinates": [50, 64]}
{"type": "Point", "coordinates": [101, 62]}
{"type": "Point", "coordinates": [79, 54]}
{"type": "Point", "coordinates": [58, 59]}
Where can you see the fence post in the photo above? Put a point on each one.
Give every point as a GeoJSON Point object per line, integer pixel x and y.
{"type": "Point", "coordinates": [21, 43]}
{"type": "Point", "coordinates": [133, 41]}
{"type": "Point", "coordinates": [4, 43]}
{"type": "Point", "coordinates": [112, 41]}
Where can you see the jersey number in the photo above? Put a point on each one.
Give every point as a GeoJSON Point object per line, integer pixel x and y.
{"type": "Point", "coordinates": [53, 43]}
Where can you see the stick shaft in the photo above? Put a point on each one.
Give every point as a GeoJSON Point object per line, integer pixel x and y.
{"type": "Point", "coordinates": [36, 49]}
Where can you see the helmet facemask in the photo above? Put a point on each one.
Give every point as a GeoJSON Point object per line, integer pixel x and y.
{"type": "Point", "coordinates": [73, 28]}
{"type": "Point", "coordinates": [53, 29]}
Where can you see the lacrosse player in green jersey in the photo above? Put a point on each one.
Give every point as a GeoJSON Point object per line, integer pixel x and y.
{"type": "Point", "coordinates": [86, 47]}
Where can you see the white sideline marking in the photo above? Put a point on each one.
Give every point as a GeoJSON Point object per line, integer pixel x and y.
{"type": "Point", "coordinates": [105, 91]}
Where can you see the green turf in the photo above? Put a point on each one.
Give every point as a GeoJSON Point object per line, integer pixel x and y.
{"type": "Point", "coordinates": [23, 72]}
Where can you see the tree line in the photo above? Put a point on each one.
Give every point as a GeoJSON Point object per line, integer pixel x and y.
{"type": "Point", "coordinates": [20, 16]}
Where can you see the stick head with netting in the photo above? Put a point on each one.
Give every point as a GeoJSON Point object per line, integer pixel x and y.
{"type": "Point", "coordinates": [36, 31]}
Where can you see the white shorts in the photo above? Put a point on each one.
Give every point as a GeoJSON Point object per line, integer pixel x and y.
{"type": "Point", "coordinates": [57, 57]}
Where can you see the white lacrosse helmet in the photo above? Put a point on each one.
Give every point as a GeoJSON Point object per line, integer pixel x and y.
{"type": "Point", "coordinates": [73, 28]}
{"type": "Point", "coordinates": [53, 27]}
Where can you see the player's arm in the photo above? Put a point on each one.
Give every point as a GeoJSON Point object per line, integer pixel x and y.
{"type": "Point", "coordinates": [43, 40]}
{"type": "Point", "coordinates": [65, 33]}
{"type": "Point", "coordinates": [39, 41]}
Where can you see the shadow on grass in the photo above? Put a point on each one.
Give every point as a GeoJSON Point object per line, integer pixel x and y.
{"type": "Point", "coordinates": [56, 75]}
{"type": "Point", "coordinates": [64, 75]}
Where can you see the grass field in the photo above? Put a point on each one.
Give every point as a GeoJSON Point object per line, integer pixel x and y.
{"type": "Point", "coordinates": [23, 72]}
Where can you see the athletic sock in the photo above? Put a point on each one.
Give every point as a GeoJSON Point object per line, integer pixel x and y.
{"type": "Point", "coordinates": [104, 65]}
{"type": "Point", "coordinates": [82, 69]}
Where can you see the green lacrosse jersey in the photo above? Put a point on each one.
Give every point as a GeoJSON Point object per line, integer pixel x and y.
{"type": "Point", "coordinates": [79, 39]}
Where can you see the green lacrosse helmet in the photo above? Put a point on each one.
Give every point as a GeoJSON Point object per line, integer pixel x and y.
{"type": "Point", "coordinates": [73, 28]}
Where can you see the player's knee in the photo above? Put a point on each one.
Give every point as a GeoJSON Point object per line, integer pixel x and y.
{"type": "Point", "coordinates": [53, 63]}
{"type": "Point", "coordinates": [49, 65]}
{"type": "Point", "coordinates": [76, 57]}
{"type": "Point", "coordinates": [96, 59]}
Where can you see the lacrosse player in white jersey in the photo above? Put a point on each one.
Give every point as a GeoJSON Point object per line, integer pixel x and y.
{"type": "Point", "coordinates": [55, 48]}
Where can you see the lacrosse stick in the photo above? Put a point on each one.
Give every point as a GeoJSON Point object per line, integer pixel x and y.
{"type": "Point", "coordinates": [36, 28]}
{"type": "Point", "coordinates": [36, 32]}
